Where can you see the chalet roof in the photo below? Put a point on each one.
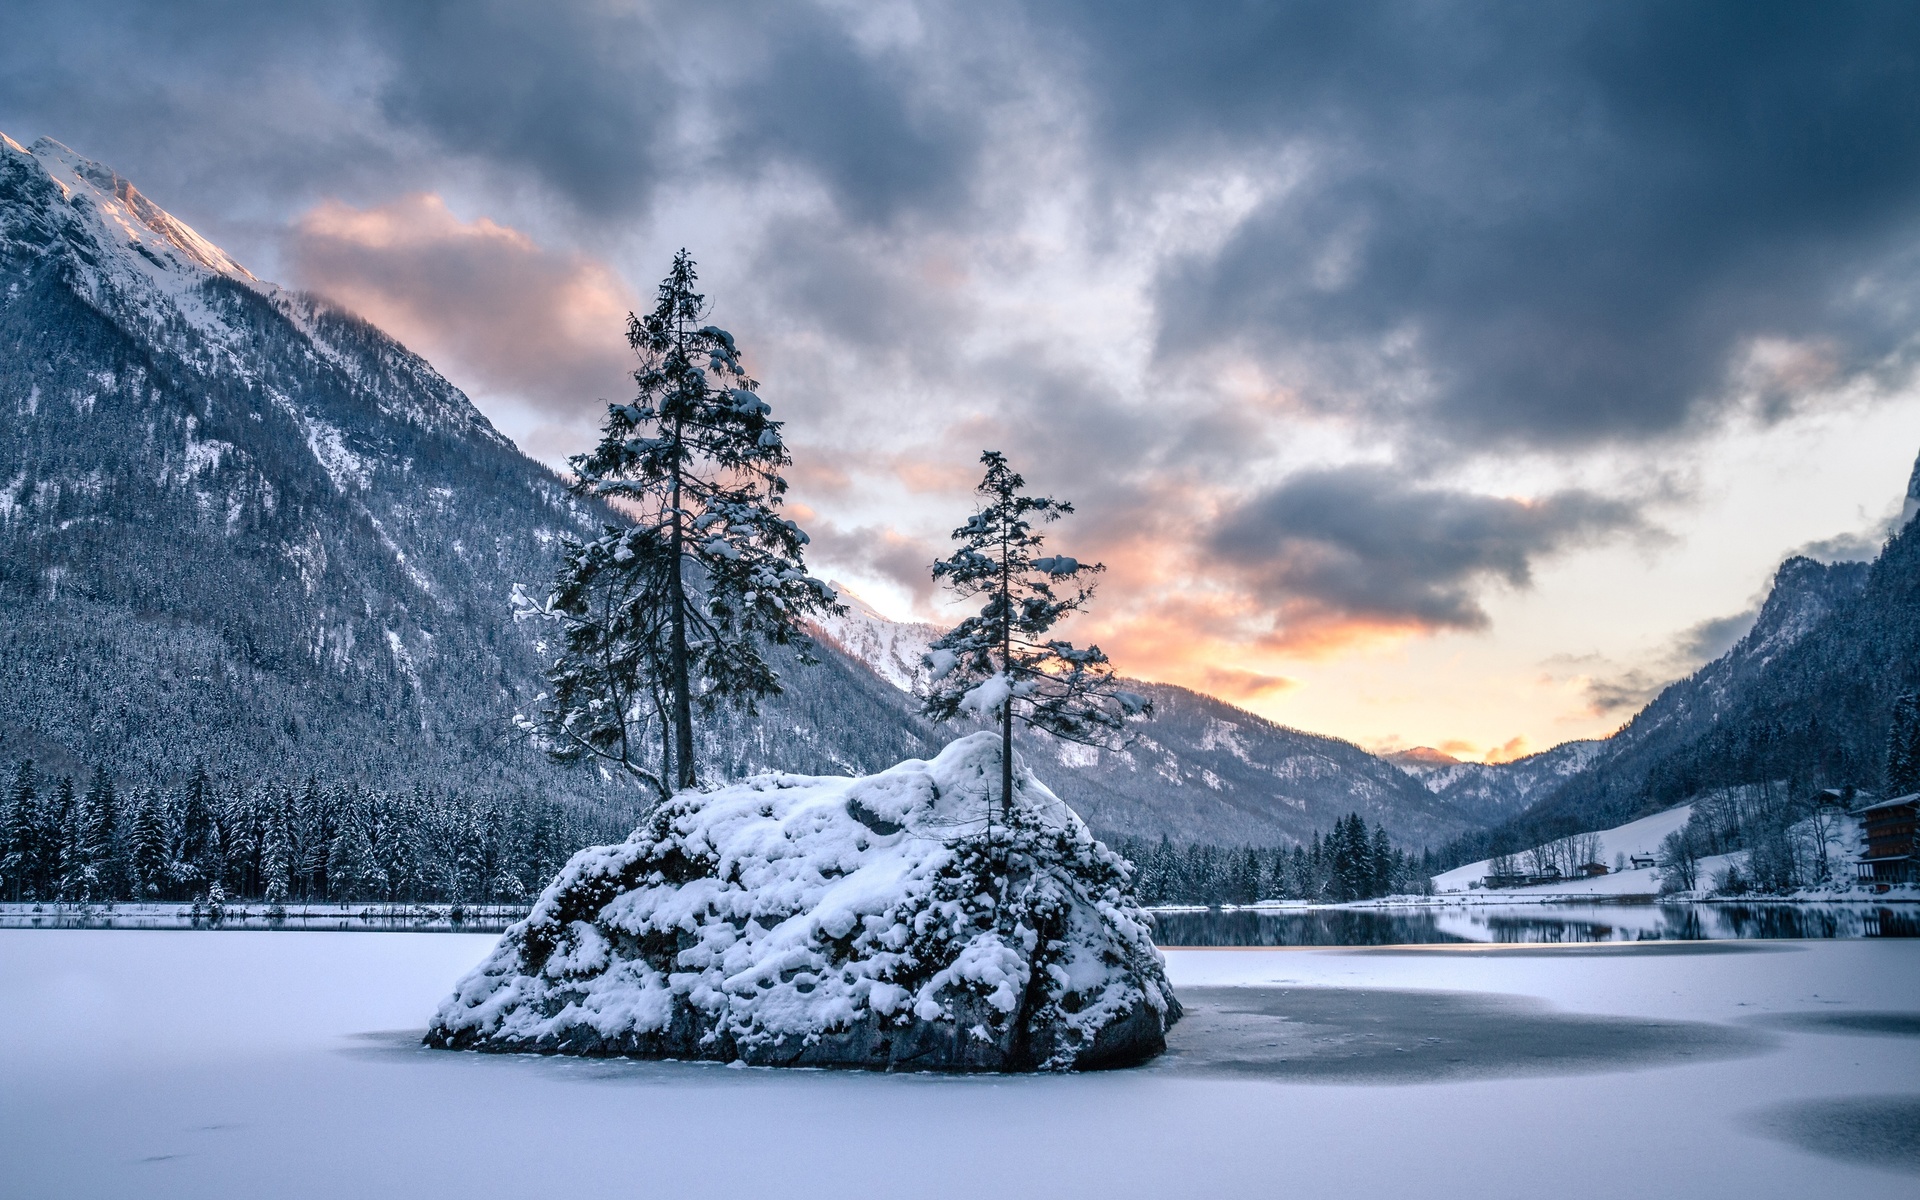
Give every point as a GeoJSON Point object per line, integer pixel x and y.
{"type": "Point", "coordinates": [1897, 801]}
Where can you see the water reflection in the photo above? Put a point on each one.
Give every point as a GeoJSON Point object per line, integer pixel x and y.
{"type": "Point", "coordinates": [1544, 923]}
{"type": "Point", "coordinates": [394, 918]}
{"type": "Point", "coordinates": [1533, 923]}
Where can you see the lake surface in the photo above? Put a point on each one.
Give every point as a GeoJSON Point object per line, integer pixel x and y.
{"type": "Point", "coordinates": [1215, 927]}
{"type": "Point", "coordinates": [1532, 923]}
{"type": "Point", "coordinates": [397, 918]}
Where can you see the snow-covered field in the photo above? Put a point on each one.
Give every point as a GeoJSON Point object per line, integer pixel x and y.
{"type": "Point", "coordinates": [287, 1065]}
{"type": "Point", "coordinates": [1634, 838]}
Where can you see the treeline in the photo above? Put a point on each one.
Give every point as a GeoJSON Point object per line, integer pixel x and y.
{"type": "Point", "coordinates": [1792, 840]}
{"type": "Point", "coordinates": [1350, 863]}
{"type": "Point", "coordinates": [281, 844]}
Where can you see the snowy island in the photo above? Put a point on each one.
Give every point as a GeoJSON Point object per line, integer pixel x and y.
{"type": "Point", "coordinates": [878, 922]}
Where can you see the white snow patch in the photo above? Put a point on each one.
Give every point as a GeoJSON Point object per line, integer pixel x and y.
{"type": "Point", "coordinates": [800, 923]}
{"type": "Point", "coordinates": [1641, 837]}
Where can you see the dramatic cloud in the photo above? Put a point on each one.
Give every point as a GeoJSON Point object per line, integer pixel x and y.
{"type": "Point", "coordinates": [881, 553]}
{"type": "Point", "coordinates": [543, 326]}
{"type": "Point", "coordinates": [1361, 546]}
{"type": "Point", "coordinates": [1625, 692]}
{"type": "Point", "coordinates": [1523, 222]}
{"type": "Point", "coordinates": [1244, 685]}
{"type": "Point", "coordinates": [1185, 265]}
{"type": "Point", "coordinates": [582, 96]}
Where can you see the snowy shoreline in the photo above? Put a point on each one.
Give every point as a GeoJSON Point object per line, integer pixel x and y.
{"type": "Point", "coordinates": [1502, 899]}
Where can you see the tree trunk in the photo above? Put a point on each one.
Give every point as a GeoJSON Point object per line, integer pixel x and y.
{"type": "Point", "coordinates": [683, 774]}
{"type": "Point", "coordinates": [1006, 762]}
{"type": "Point", "coordinates": [1006, 665]}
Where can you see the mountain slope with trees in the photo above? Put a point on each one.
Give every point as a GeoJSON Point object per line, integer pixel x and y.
{"type": "Point", "coordinates": [245, 531]}
{"type": "Point", "coordinates": [242, 528]}
{"type": "Point", "coordinates": [1806, 700]}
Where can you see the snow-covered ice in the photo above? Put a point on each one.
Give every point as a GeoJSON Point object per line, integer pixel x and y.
{"type": "Point", "coordinates": [216, 1065]}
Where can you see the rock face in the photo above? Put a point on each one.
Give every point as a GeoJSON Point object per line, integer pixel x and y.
{"type": "Point", "coordinates": [798, 920]}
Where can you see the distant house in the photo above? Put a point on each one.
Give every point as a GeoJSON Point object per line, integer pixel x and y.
{"type": "Point", "coordinates": [1849, 798]}
{"type": "Point", "coordinates": [1892, 829]}
{"type": "Point", "coordinates": [1590, 870]}
{"type": "Point", "coordinates": [1522, 879]}
{"type": "Point", "coordinates": [1642, 861]}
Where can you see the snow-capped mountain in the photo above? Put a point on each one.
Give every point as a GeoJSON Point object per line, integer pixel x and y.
{"type": "Point", "coordinates": [241, 526]}
{"type": "Point", "coordinates": [1201, 770]}
{"type": "Point", "coordinates": [893, 649]}
{"type": "Point", "coordinates": [1496, 791]}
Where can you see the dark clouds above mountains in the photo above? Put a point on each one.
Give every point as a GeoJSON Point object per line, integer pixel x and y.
{"type": "Point", "coordinates": [1470, 228]}
{"type": "Point", "coordinates": [1359, 544]}
{"type": "Point", "coordinates": [1574, 215]}
{"type": "Point", "coordinates": [1538, 223]}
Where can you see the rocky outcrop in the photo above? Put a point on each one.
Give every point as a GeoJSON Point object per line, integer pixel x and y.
{"type": "Point", "coordinates": [880, 923]}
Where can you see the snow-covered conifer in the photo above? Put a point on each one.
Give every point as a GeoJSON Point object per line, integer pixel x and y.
{"type": "Point", "coordinates": [18, 829]}
{"type": "Point", "coordinates": [676, 609]}
{"type": "Point", "coordinates": [1001, 663]}
{"type": "Point", "coordinates": [1903, 747]}
{"type": "Point", "coordinates": [199, 835]}
{"type": "Point", "coordinates": [276, 853]}
{"type": "Point", "coordinates": [149, 845]}
{"type": "Point", "coordinates": [350, 865]}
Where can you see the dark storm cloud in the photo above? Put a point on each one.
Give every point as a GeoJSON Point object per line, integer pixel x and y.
{"type": "Point", "coordinates": [579, 95]}
{"type": "Point", "coordinates": [598, 104]}
{"type": "Point", "coordinates": [857, 121]}
{"type": "Point", "coordinates": [1363, 545]}
{"type": "Point", "coordinates": [1692, 648]}
{"type": "Point", "coordinates": [1576, 214]}
{"type": "Point", "coordinates": [878, 551]}
{"type": "Point", "coordinates": [222, 110]}
{"type": "Point", "coordinates": [604, 104]}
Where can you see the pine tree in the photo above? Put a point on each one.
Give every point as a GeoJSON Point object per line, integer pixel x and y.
{"type": "Point", "coordinates": [708, 574]}
{"type": "Point", "coordinates": [276, 853]}
{"type": "Point", "coordinates": [1381, 881]}
{"type": "Point", "coordinates": [199, 836]}
{"type": "Point", "coordinates": [49, 835]}
{"type": "Point", "coordinates": [79, 866]}
{"type": "Point", "coordinates": [18, 822]}
{"type": "Point", "coordinates": [102, 835]}
{"type": "Point", "coordinates": [351, 860]}
{"type": "Point", "coordinates": [1903, 747]}
{"type": "Point", "coordinates": [1000, 663]}
{"type": "Point", "coordinates": [149, 846]}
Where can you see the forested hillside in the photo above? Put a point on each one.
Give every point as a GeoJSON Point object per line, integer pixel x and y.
{"type": "Point", "coordinates": [242, 529]}
{"type": "Point", "coordinates": [1804, 700]}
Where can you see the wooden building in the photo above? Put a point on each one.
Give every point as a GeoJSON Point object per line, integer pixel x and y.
{"type": "Point", "coordinates": [1892, 829]}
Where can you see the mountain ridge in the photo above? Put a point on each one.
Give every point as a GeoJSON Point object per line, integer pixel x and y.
{"type": "Point", "coordinates": [1804, 698]}
{"type": "Point", "coordinates": [240, 511]}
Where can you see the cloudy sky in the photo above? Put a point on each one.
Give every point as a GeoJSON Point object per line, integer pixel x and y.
{"type": "Point", "coordinates": [1425, 373]}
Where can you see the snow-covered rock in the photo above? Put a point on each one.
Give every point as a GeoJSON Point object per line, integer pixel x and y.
{"type": "Point", "coordinates": [832, 921]}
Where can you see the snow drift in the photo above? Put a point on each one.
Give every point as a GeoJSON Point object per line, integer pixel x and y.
{"type": "Point", "coordinates": [826, 921]}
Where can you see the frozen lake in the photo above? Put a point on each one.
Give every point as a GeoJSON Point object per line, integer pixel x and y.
{"type": "Point", "coordinates": [286, 1064]}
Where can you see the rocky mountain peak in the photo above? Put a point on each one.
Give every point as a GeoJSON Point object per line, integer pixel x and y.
{"type": "Point", "coordinates": [100, 206]}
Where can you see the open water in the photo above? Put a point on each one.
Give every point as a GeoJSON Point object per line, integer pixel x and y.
{"type": "Point", "coordinates": [1532, 923]}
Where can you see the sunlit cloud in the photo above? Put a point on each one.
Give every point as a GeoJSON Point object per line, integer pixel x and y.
{"type": "Point", "coordinates": [493, 308]}
{"type": "Point", "coordinates": [1507, 752]}
{"type": "Point", "coordinates": [1233, 684]}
